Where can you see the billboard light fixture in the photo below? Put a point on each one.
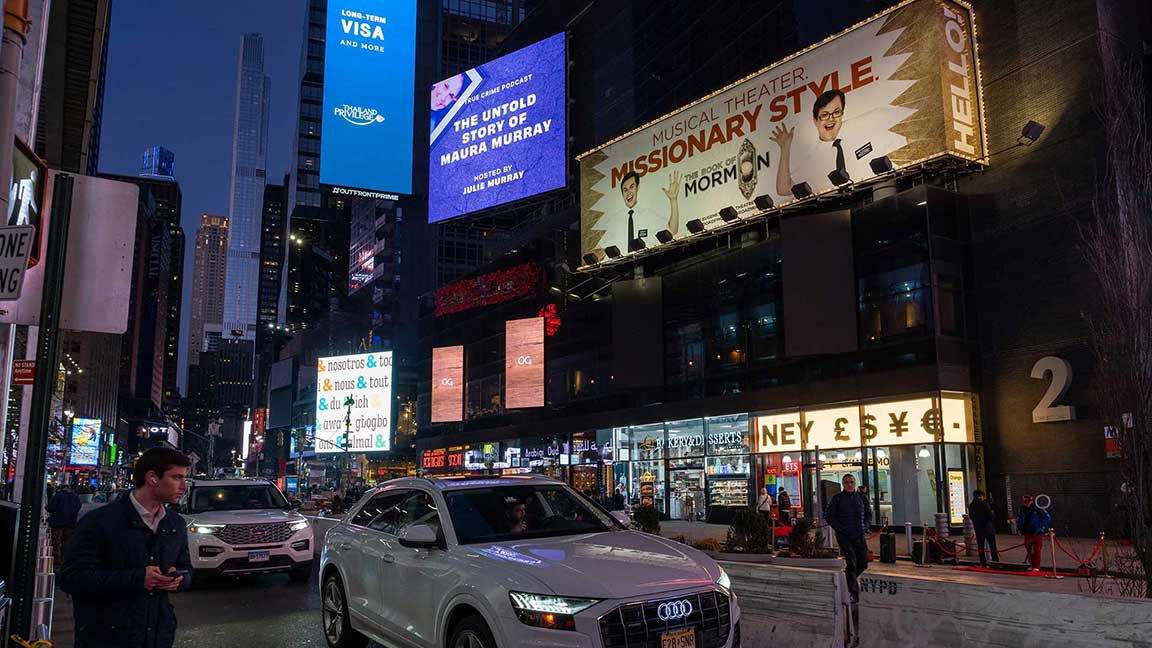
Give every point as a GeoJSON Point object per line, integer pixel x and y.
{"type": "Point", "coordinates": [881, 165]}
{"type": "Point", "coordinates": [802, 190]}
{"type": "Point", "coordinates": [664, 236]}
{"type": "Point", "coordinates": [636, 244]}
{"type": "Point", "coordinates": [695, 226]}
{"type": "Point", "coordinates": [1030, 133]}
{"type": "Point", "coordinates": [839, 178]}
{"type": "Point", "coordinates": [764, 203]}
{"type": "Point", "coordinates": [729, 214]}
{"type": "Point", "coordinates": [591, 259]}
{"type": "Point", "coordinates": [612, 251]}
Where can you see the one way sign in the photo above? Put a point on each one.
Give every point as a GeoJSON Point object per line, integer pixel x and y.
{"type": "Point", "coordinates": [15, 247]}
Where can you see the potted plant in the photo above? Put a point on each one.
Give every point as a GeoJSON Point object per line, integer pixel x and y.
{"type": "Point", "coordinates": [749, 537]}
{"type": "Point", "coordinates": [805, 548]}
{"type": "Point", "coordinates": [646, 519]}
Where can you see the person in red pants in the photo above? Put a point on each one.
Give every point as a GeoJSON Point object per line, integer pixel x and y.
{"type": "Point", "coordinates": [1033, 522]}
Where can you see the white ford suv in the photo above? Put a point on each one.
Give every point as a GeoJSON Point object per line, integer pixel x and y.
{"type": "Point", "coordinates": [520, 561]}
{"type": "Point", "coordinates": [245, 526]}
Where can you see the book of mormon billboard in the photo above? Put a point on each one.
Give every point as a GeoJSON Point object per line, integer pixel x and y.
{"type": "Point", "coordinates": [904, 85]}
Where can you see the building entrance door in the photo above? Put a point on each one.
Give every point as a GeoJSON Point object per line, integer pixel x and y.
{"type": "Point", "coordinates": [686, 495]}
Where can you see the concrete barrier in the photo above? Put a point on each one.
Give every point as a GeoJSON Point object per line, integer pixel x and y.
{"type": "Point", "coordinates": [789, 606]}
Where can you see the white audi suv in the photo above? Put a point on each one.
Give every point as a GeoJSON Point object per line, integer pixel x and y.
{"type": "Point", "coordinates": [508, 561]}
{"type": "Point", "coordinates": [245, 526]}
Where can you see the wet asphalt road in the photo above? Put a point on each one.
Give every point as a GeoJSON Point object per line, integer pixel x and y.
{"type": "Point", "coordinates": [252, 612]}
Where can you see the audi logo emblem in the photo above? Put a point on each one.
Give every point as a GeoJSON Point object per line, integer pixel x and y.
{"type": "Point", "coordinates": [524, 360]}
{"type": "Point", "coordinates": [447, 382]}
{"type": "Point", "coordinates": [674, 610]}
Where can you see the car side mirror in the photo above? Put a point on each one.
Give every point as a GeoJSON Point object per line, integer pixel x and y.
{"type": "Point", "coordinates": [622, 518]}
{"type": "Point", "coordinates": [294, 504]}
{"type": "Point", "coordinates": [420, 536]}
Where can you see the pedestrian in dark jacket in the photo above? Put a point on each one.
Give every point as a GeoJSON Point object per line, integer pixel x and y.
{"type": "Point", "coordinates": [785, 508]}
{"type": "Point", "coordinates": [63, 511]}
{"type": "Point", "coordinates": [1033, 522]}
{"type": "Point", "coordinates": [983, 518]}
{"type": "Point", "coordinates": [127, 556]}
{"type": "Point", "coordinates": [850, 516]}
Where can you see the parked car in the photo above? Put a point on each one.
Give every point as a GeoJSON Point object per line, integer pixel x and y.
{"type": "Point", "coordinates": [520, 560]}
{"type": "Point", "coordinates": [245, 526]}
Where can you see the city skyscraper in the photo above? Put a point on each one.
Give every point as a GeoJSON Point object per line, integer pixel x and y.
{"type": "Point", "coordinates": [249, 164]}
{"type": "Point", "coordinates": [272, 240]}
{"type": "Point", "coordinates": [158, 161]}
{"type": "Point", "coordinates": [209, 267]}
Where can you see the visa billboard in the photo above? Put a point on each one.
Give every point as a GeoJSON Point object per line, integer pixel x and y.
{"type": "Point", "coordinates": [369, 90]}
{"type": "Point", "coordinates": [497, 131]}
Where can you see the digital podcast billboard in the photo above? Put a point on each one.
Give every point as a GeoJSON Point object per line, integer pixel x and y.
{"type": "Point", "coordinates": [447, 384]}
{"type": "Point", "coordinates": [85, 449]}
{"type": "Point", "coordinates": [498, 131]}
{"type": "Point", "coordinates": [367, 380]}
{"type": "Point", "coordinates": [904, 84]}
{"type": "Point", "coordinates": [369, 94]}
{"type": "Point", "coordinates": [524, 363]}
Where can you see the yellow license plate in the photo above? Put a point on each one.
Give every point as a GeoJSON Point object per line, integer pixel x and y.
{"type": "Point", "coordinates": [685, 638]}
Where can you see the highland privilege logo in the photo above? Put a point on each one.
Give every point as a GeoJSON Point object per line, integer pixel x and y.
{"type": "Point", "coordinates": [359, 116]}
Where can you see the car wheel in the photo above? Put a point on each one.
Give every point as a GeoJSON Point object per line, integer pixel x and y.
{"type": "Point", "coordinates": [334, 610]}
{"type": "Point", "coordinates": [472, 632]}
{"type": "Point", "coordinates": [301, 572]}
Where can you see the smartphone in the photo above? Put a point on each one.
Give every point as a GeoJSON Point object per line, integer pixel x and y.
{"type": "Point", "coordinates": [185, 573]}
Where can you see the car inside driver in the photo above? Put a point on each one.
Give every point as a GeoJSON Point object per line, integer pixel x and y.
{"type": "Point", "coordinates": [516, 514]}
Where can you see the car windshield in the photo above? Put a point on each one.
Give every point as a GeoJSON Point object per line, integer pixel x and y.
{"type": "Point", "coordinates": [235, 498]}
{"type": "Point", "coordinates": [516, 512]}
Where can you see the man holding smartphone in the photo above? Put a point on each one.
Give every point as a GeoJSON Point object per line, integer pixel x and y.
{"type": "Point", "coordinates": [125, 557]}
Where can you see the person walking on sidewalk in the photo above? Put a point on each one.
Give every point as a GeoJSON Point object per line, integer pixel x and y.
{"type": "Point", "coordinates": [764, 506]}
{"type": "Point", "coordinates": [63, 511]}
{"type": "Point", "coordinates": [983, 518]}
{"type": "Point", "coordinates": [850, 516]}
{"type": "Point", "coordinates": [125, 558]}
{"type": "Point", "coordinates": [785, 508]}
{"type": "Point", "coordinates": [1033, 522]}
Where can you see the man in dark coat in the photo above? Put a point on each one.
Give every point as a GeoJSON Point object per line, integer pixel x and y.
{"type": "Point", "coordinates": [983, 518]}
{"type": "Point", "coordinates": [63, 511]}
{"type": "Point", "coordinates": [126, 556]}
{"type": "Point", "coordinates": [849, 514]}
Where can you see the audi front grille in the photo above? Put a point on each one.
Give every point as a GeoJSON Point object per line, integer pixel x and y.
{"type": "Point", "coordinates": [255, 534]}
{"type": "Point", "coordinates": [639, 625]}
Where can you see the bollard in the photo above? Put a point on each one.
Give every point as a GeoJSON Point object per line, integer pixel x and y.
{"type": "Point", "coordinates": [1052, 543]}
{"type": "Point", "coordinates": [969, 537]}
{"type": "Point", "coordinates": [908, 536]}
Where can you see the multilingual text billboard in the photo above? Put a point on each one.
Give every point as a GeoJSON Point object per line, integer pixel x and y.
{"type": "Point", "coordinates": [354, 403]}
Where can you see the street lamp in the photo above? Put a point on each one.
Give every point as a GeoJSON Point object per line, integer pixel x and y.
{"type": "Point", "coordinates": [348, 403]}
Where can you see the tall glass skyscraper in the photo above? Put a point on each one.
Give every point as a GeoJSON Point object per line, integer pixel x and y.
{"type": "Point", "coordinates": [249, 163]}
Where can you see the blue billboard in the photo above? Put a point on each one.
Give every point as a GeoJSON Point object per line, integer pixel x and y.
{"type": "Point", "coordinates": [498, 131]}
{"type": "Point", "coordinates": [369, 90]}
{"type": "Point", "coordinates": [85, 449]}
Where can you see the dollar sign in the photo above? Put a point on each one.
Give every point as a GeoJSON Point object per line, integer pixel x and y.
{"type": "Point", "coordinates": [870, 431]}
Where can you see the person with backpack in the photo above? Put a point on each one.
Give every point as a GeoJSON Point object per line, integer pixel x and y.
{"type": "Point", "coordinates": [1033, 522]}
{"type": "Point", "coordinates": [849, 513]}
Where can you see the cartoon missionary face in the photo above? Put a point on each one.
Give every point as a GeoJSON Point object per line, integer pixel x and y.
{"type": "Point", "coordinates": [828, 115]}
{"type": "Point", "coordinates": [630, 189]}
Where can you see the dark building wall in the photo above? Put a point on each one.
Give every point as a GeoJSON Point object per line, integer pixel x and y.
{"type": "Point", "coordinates": [72, 94]}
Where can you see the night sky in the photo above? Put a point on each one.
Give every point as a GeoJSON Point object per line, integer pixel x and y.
{"type": "Point", "coordinates": [172, 81]}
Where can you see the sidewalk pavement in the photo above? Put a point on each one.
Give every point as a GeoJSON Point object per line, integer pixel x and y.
{"type": "Point", "coordinates": [1010, 551]}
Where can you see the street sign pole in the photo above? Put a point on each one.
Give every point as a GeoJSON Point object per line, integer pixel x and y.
{"type": "Point", "coordinates": [47, 359]}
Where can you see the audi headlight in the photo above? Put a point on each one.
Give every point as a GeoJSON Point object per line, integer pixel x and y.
{"type": "Point", "coordinates": [723, 581]}
{"type": "Point", "coordinates": [548, 611]}
{"type": "Point", "coordinates": [298, 525]}
{"type": "Point", "coordinates": [204, 529]}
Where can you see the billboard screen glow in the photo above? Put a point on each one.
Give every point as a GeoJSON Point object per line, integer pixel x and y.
{"type": "Point", "coordinates": [369, 94]}
{"type": "Point", "coordinates": [85, 442]}
{"type": "Point", "coordinates": [367, 380]}
{"type": "Point", "coordinates": [498, 131]}
{"type": "Point", "coordinates": [524, 363]}
{"type": "Point", "coordinates": [447, 384]}
{"type": "Point", "coordinates": [904, 84]}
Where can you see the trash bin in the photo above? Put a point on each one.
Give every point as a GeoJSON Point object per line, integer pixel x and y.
{"type": "Point", "coordinates": [918, 552]}
{"type": "Point", "coordinates": [888, 548]}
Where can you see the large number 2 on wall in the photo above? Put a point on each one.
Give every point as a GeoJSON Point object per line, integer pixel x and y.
{"type": "Point", "coordinates": [1061, 372]}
